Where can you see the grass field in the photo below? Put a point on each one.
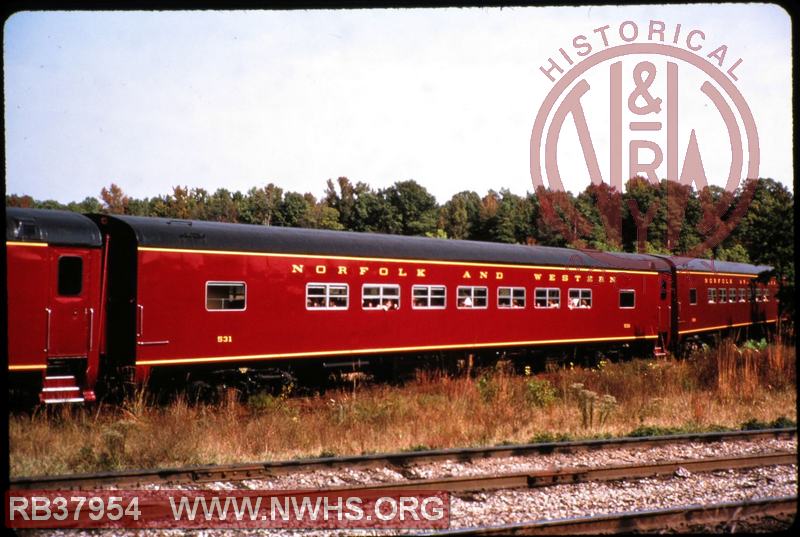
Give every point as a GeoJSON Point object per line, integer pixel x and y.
{"type": "Point", "coordinates": [724, 387]}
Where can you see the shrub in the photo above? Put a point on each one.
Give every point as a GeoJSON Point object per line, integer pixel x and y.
{"type": "Point", "coordinates": [487, 387]}
{"type": "Point", "coordinates": [549, 438]}
{"type": "Point", "coordinates": [781, 422]}
{"type": "Point", "coordinates": [539, 393]}
{"type": "Point", "coordinates": [607, 405]}
{"type": "Point", "coordinates": [264, 402]}
{"type": "Point", "coordinates": [651, 430]}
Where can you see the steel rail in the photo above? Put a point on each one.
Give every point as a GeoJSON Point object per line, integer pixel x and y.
{"type": "Point", "coordinates": [547, 478]}
{"type": "Point", "coordinates": [674, 518]}
{"type": "Point", "coordinates": [235, 472]}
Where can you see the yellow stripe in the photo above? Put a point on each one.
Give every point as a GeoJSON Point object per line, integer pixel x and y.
{"type": "Point", "coordinates": [17, 243]}
{"type": "Point", "coordinates": [391, 260]}
{"type": "Point", "coordinates": [377, 351]}
{"type": "Point", "coordinates": [737, 274]}
{"type": "Point", "coordinates": [724, 326]}
{"type": "Point", "coordinates": [25, 367]}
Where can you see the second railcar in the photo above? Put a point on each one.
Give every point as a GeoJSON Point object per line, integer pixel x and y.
{"type": "Point", "coordinates": [720, 295]}
{"type": "Point", "coordinates": [188, 293]}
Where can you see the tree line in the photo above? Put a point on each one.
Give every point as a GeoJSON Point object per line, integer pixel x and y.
{"type": "Point", "coordinates": [666, 218]}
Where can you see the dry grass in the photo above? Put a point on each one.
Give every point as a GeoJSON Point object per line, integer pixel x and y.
{"type": "Point", "coordinates": [720, 388]}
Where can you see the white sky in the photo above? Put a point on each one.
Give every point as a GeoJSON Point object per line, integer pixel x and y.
{"type": "Point", "coordinates": [447, 97]}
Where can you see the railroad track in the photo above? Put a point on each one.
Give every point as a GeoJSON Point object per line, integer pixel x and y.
{"type": "Point", "coordinates": [563, 476]}
{"type": "Point", "coordinates": [676, 518]}
{"type": "Point", "coordinates": [266, 470]}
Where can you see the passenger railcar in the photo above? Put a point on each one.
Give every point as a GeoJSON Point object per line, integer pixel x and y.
{"type": "Point", "coordinates": [181, 296]}
{"type": "Point", "coordinates": [203, 292]}
{"type": "Point", "coordinates": [717, 295]}
{"type": "Point", "coordinates": [55, 312]}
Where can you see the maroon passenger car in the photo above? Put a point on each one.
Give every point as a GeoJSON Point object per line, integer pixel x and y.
{"type": "Point", "coordinates": [54, 281]}
{"type": "Point", "coordinates": [716, 295]}
{"type": "Point", "coordinates": [189, 293]}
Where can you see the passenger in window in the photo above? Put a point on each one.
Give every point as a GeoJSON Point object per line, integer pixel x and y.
{"type": "Point", "coordinates": [465, 302]}
{"type": "Point", "coordinates": [574, 303]}
{"type": "Point", "coordinates": [584, 303]}
{"type": "Point", "coordinates": [552, 303]}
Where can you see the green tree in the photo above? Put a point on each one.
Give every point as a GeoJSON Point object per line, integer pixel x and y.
{"type": "Point", "coordinates": [90, 204]}
{"type": "Point", "coordinates": [344, 201]}
{"type": "Point", "coordinates": [644, 216]}
{"type": "Point", "coordinates": [320, 215]}
{"type": "Point", "coordinates": [735, 253]}
{"type": "Point", "coordinates": [415, 207]}
{"type": "Point", "coordinates": [222, 207]}
{"type": "Point", "coordinates": [460, 216]}
{"type": "Point", "coordinates": [766, 231]}
{"type": "Point", "coordinates": [294, 210]}
{"type": "Point", "coordinates": [261, 205]}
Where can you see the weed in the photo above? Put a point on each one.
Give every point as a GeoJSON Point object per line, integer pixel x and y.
{"type": "Point", "coordinates": [549, 438]}
{"type": "Point", "coordinates": [607, 405]}
{"type": "Point", "coordinates": [264, 402]}
{"type": "Point", "coordinates": [487, 387]}
{"type": "Point", "coordinates": [539, 393]}
{"type": "Point", "coordinates": [586, 400]}
{"type": "Point", "coordinates": [652, 430]}
{"type": "Point", "coordinates": [781, 422]}
{"type": "Point", "coordinates": [432, 411]}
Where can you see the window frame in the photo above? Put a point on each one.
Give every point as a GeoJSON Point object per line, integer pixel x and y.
{"type": "Point", "coordinates": [633, 292]}
{"type": "Point", "coordinates": [712, 295]}
{"type": "Point", "coordinates": [693, 291]}
{"type": "Point", "coordinates": [327, 296]}
{"type": "Point", "coordinates": [547, 298]}
{"type": "Point", "coordinates": [511, 298]}
{"type": "Point", "coordinates": [733, 295]}
{"type": "Point", "coordinates": [228, 283]}
{"type": "Point", "coordinates": [472, 297]}
{"type": "Point", "coordinates": [723, 295]}
{"type": "Point", "coordinates": [60, 280]}
{"type": "Point", "coordinates": [580, 297]}
{"type": "Point", "coordinates": [25, 229]}
{"type": "Point", "coordinates": [380, 296]}
{"type": "Point", "coordinates": [428, 297]}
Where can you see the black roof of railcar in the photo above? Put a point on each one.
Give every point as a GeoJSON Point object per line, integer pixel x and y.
{"type": "Point", "coordinates": [50, 226]}
{"type": "Point", "coordinates": [714, 266]}
{"type": "Point", "coordinates": [199, 235]}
